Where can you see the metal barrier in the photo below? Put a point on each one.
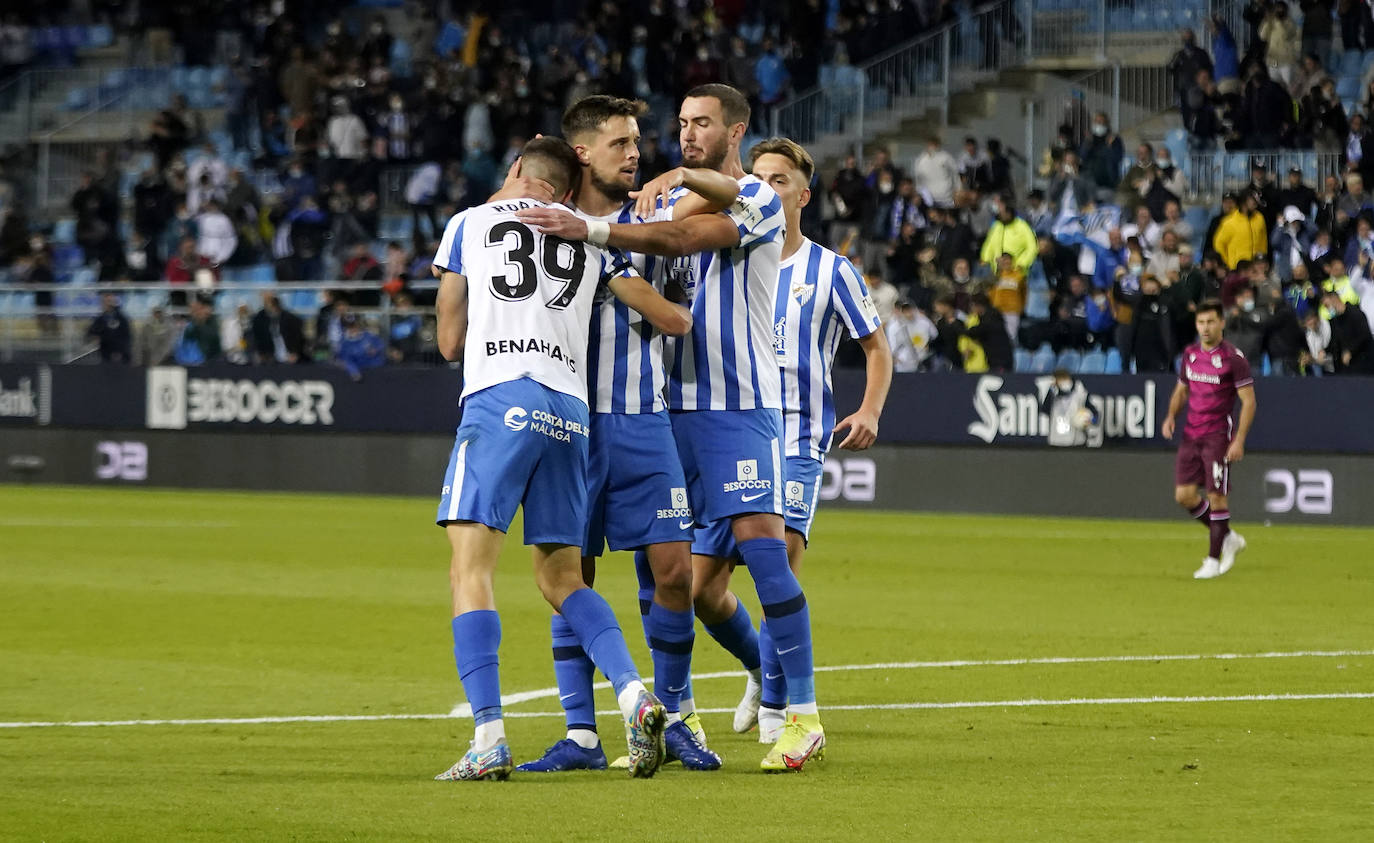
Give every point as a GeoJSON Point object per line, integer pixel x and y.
{"type": "Point", "coordinates": [854, 102]}
{"type": "Point", "coordinates": [57, 332]}
{"type": "Point", "coordinates": [1210, 174]}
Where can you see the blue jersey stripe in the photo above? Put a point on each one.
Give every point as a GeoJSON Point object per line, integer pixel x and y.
{"type": "Point", "coordinates": [727, 328]}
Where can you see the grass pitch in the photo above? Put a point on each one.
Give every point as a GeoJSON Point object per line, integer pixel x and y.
{"type": "Point", "coordinates": [139, 605]}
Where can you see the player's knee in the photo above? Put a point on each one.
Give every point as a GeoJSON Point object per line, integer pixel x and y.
{"type": "Point", "coordinates": [674, 583]}
{"type": "Point", "coordinates": [1186, 497]}
{"type": "Point", "coordinates": [1217, 501]}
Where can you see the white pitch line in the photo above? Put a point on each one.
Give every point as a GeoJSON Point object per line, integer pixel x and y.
{"type": "Point", "coordinates": [111, 523]}
{"type": "Point", "coordinates": [1026, 703]}
{"type": "Point", "coordinates": [462, 710]}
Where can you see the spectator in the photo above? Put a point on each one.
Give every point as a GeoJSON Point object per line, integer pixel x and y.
{"type": "Point", "coordinates": [936, 173]}
{"type": "Point", "coordinates": [911, 336]}
{"type": "Point", "coordinates": [1144, 229]}
{"type": "Point", "coordinates": [1152, 346]}
{"type": "Point", "coordinates": [901, 257]}
{"type": "Point", "coordinates": [1164, 262]}
{"type": "Point", "coordinates": [1225, 55]}
{"type": "Point", "coordinates": [999, 169]}
{"type": "Point", "coordinates": [1102, 155]}
{"type": "Point", "coordinates": [1203, 121]}
{"type": "Point", "coordinates": [97, 216]}
{"type": "Point", "coordinates": [359, 349]}
{"type": "Point", "coordinates": [170, 132]}
{"type": "Point", "coordinates": [1098, 316]}
{"type": "Point", "coordinates": [1350, 335]}
{"type": "Point", "coordinates": [853, 201]}
{"type": "Point", "coordinates": [347, 137]}
{"type": "Point", "coordinates": [1246, 324]}
{"type": "Point", "coordinates": [1324, 118]}
{"type": "Point", "coordinates": [1319, 356]}
{"type": "Point", "coordinates": [949, 329]}
{"type": "Point", "coordinates": [1183, 67]}
{"type": "Point", "coordinates": [1163, 184]}
{"type": "Point", "coordinates": [1009, 293]}
{"type": "Point", "coordinates": [1181, 294]}
{"type": "Point", "coordinates": [329, 323]}
{"type": "Point", "coordinates": [988, 332]}
{"type": "Point", "coordinates": [1283, 42]}
{"type": "Point", "coordinates": [770, 73]}
{"type": "Point", "coordinates": [1069, 185]}
{"type": "Point", "coordinates": [1310, 75]}
{"type": "Point", "coordinates": [111, 329]}
{"type": "Point", "coordinates": [404, 336]}
{"type": "Point", "coordinates": [949, 236]}
{"type": "Point", "coordinates": [1283, 337]}
{"type": "Point", "coordinates": [1038, 213]}
{"type": "Point", "coordinates": [884, 295]}
{"type": "Point", "coordinates": [964, 284]}
{"type": "Point", "coordinates": [141, 260]}
{"type": "Point", "coordinates": [1296, 194]}
{"type": "Point", "coordinates": [1290, 242]}
{"type": "Point", "coordinates": [156, 339]}
{"type": "Point", "coordinates": [1266, 112]}
{"type": "Point", "coordinates": [298, 184]}
{"type": "Point", "coordinates": [218, 237]}
{"type": "Point", "coordinates": [1128, 193]}
{"type": "Point", "coordinates": [1070, 326]}
{"type": "Point", "coordinates": [1357, 152]}
{"type": "Point", "coordinates": [906, 208]}
{"type": "Point", "coordinates": [1242, 234]}
{"type": "Point", "coordinates": [1354, 202]}
{"type": "Point", "coordinates": [1009, 235]}
{"type": "Point", "coordinates": [1316, 26]}
{"type": "Point", "coordinates": [739, 69]}
{"type": "Point", "coordinates": [234, 336]}
{"type": "Point", "coordinates": [299, 81]}
{"type": "Point", "coordinates": [974, 167]}
{"type": "Point", "coordinates": [278, 335]}
{"type": "Point", "coordinates": [200, 339]}
{"type": "Point", "coordinates": [187, 266]}
{"type": "Point", "coordinates": [421, 194]}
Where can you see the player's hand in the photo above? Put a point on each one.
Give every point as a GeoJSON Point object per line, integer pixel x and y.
{"type": "Point", "coordinates": [1236, 452]}
{"type": "Point", "coordinates": [647, 198]}
{"type": "Point", "coordinates": [863, 430]}
{"type": "Point", "coordinates": [1167, 429]}
{"type": "Point", "coordinates": [555, 221]}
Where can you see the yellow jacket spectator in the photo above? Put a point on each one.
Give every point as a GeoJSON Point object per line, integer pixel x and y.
{"type": "Point", "coordinates": [1338, 282]}
{"type": "Point", "coordinates": [975, 358]}
{"type": "Point", "coordinates": [1242, 234]}
{"type": "Point", "coordinates": [1010, 235]}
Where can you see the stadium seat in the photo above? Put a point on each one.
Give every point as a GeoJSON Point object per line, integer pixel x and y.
{"type": "Point", "coordinates": [64, 230]}
{"type": "Point", "coordinates": [1042, 363]}
{"type": "Point", "coordinates": [1094, 363]}
{"type": "Point", "coordinates": [1113, 362]}
{"type": "Point", "coordinates": [1022, 360]}
{"type": "Point", "coordinates": [99, 35]}
{"type": "Point", "coordinates": [1348, 87]}
{"type": "Point", "coordinates": [1266, 368]}
{"type": "Point", "coordinates": [1069, 359]}
{"type": "Point", "coordinates": [1351, 60]}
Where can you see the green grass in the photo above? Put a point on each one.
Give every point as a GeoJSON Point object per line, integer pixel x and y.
{"type": "Point", "coordinates": [148, 604]}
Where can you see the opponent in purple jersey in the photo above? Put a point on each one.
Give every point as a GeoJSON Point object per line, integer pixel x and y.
{"type": "Point", "coordinates": [1211, 376]}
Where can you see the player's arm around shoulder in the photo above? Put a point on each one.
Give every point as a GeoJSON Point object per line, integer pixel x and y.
{"type": "Point", "coordinates": [451, 307]}
{"type": "Point", "coordinates": [698, 233]}
{"type": "Point", "coordinates": [708, 192]}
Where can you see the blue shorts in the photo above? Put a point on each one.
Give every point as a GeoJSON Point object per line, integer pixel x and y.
{"type": "Point", "coordinates": [801, 494]}
{"type": "Point", "coordinates": [635, 490]}
{"type": "Point", "coordinates": [520, 443]}
{"type": "Point", "coordinates": [732, 461]}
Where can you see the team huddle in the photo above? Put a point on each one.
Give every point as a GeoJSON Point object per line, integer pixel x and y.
{"type": "Point", "coordinates": [649, 372]}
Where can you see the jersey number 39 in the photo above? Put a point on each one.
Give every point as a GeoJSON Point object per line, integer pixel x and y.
{"type": "Point", "coordinates": [519, 244]}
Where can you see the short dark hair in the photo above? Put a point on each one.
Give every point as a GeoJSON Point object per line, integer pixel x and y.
{"type": "Point", "coordinates": [980, 300]}
{"type": "Point", "coordinates": [787, 148]}
{"type": "Point", "coordinates": [552, 160]}
{"type": "Point", "coordinates": [589, 113]}
{"type": "Point", "coordinates": [734, 106]}
{"type": "Point", "coordinates": [1210, 305]}
{"type": "Point", "coordinates": [946, 299]}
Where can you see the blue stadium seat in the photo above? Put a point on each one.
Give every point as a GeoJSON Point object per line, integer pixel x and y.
{"type": "Point", "coordinates": [68, 256]}
{"type": "Point", "coordinates": [1069, 359]}
{"type": "Point", "coordinates": [1351, 60]}
{"type": "Point", "coordinates": [1348, 87]}
{"type": "Point", "coordinates": [1094, 363]}
{"type": "Point", "coordinates": [99, 35]}
{"type": "Point", "coordinates": [1266, 368]}
{"type": "Point", "coordinates": [74, 37]}
{"type": "Point", "coordinates": [77, 99]}
{"type": "Point", "coordinates": [302, 302]}
{"type": "Point", "coordinates": [400, 58]}
{"type": "Point", "coordinates": [1042, 363]}
{"type": "Point", "coordinates": [64, 230]}
{"type": "Point", "coordinates": [1022, 359]}
{"type": "Point", "coordinates": [1113, 362]}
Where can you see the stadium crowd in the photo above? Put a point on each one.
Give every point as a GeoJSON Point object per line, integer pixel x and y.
{"type": "Point", "coordinates": [968, 269]}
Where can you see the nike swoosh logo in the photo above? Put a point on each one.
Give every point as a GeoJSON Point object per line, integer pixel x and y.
{"type": "Point", "coordinates": [563, 697]}
{"type": "Point", "coordinates": [748, 498]}
{"type": "Point", "coordinates": [788, 650]}
{"type": "Point", "coordinates": [772, 676]}
{"type": "Point", "coordinates": [685, 525]}
{"type": "Point", "coordinates": [677, 690]}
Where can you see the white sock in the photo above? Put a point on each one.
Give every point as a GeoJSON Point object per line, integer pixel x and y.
{"type": "Point", "coordinates": [766, 713]}
{"type": "Point", "coordinates": [687, 706]}
{"type": "Point", "coordinates": [803, 708]}
{"type": "Point", "coordinates": [489, 734]}
{"type": "Point", "coordinates": [585, 738]}
{"type": "Point", "coordinates": [627, 697]}
{"type": "Point", "coordinates": [674, 716]}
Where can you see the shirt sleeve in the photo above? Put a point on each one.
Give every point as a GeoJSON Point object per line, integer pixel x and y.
{"type": "Point", "coordinates": [615, 264]}
{"type": "Point", "coordinates": [1240, 371]}
{"type": "Point", "coordinates": [757, 213]}
{"type": "Point", "coordinates": [851, 300]}
{"type": "Point", "coordinates": [449, 256]}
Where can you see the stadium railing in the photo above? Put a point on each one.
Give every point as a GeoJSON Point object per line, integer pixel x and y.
{"type": "Point", "coordinates": [855, 102]}
{"type": "Point", "coordinates": [57, 333]}
{"type": "Point", "coordinates": [1129, 96]}
{"type": "Point", "coordinates": [1210, 174]}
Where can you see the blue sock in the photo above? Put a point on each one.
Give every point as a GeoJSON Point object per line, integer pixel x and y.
{"type": "Point", "coordinates": [574, 672]}
{"type": "Point", "coordinates": [773, 681]}
{"type": "Point", "coordinates": [645, 575]}
{"type": "Point", "coordinates": [591, 618]}
{"type": "Point", "coordinates": [476, 637]}
{"type": "Point", "coordinates": [670, 638]}
{"type": "Point", "coordinates": [738, 637]}
{"type": "Point", "coordinates": [784, 608]}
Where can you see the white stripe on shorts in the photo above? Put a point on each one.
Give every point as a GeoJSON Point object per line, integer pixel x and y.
{"type": "Point", "coordinates": [459, 466]}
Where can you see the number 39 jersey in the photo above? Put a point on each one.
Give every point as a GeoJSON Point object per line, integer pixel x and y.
{"type": "Point", "coordinates": [529, 298]}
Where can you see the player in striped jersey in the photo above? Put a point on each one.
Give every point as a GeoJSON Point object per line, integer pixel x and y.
{"type": "Point", "coordinates": [820, 295]}
{"type": "Point", "coordinates": [725, 393]}
{"type": "Point", "coordinates": [636, 492]}
{"type": "Point", "coordinates": [515, 305]}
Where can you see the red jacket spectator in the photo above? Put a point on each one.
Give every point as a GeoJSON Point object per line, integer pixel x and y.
{"type": "Point", "coordinates": [182, 267]}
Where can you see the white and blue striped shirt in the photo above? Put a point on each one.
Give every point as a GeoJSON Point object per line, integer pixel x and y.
{"type": "Point", "coordinates": [726, 362]}
{"type": "Point", "coordinates": [819, 293]}
{"type": "Point", "coordinates": [625, 372]}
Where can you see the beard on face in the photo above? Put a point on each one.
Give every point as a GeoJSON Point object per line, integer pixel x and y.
{"type": "Point", "coordinates": [711, 158]}
{"type": "Point", "coordinates": [610, 188]}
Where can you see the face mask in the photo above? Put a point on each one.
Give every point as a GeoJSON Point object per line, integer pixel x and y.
{"type": "Point", "coordinates": [1248, 305]}
{"type": "Point", "coordinates": [1134, 268]}
{"type": "Point", "coordinates": [1064, 386]}
{"type": "Point", "coordinates": [1163, 163]}
{"type": "Point", "coordinates": [522, 90]}
{"type": "Point", "coordinates": [1099, 130]}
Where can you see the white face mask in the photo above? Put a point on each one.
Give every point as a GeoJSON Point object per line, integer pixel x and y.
{"type": "Point", "coordinates": [1099, 130]}
{"type": "Point", "coordinates": [1064, 386]}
